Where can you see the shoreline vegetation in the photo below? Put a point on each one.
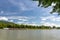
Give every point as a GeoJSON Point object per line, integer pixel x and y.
{"type": "Point", "coordinates": [11, 25]}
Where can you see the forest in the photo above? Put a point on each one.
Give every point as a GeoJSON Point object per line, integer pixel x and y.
{"type": "Point", "coordinates": [5, 24]}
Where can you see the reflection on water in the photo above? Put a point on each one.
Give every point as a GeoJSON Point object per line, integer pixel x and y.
{"type": "Point", "coordinates": [29, 35]}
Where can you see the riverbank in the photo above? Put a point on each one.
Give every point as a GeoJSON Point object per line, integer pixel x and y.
{"type": "Point", "coordinates": [25, 29]}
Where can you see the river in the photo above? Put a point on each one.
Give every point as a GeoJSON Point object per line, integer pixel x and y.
{"type": "Point", "coordinates": [30, 34]}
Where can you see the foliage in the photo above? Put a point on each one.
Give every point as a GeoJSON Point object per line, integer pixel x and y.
{"type": "Point", "coordinates": [5, 24]}
{"type": "Point", "coordinates": [47, 3]}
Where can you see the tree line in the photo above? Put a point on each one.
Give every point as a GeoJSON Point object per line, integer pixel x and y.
{"type": "Point", "coordinates": [5, 24]}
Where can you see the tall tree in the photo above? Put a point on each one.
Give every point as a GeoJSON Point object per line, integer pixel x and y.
{"type": "Point", "coordinates": [47, 3]}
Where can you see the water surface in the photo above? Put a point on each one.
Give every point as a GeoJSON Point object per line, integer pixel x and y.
{"type": "Point", "coordinates": [30, 34]}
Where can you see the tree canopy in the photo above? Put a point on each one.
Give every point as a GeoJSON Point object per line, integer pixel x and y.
{"type": "Point", "coordinates": [47, 3]}
{"type": "Point", "coordinates": [11, 25]}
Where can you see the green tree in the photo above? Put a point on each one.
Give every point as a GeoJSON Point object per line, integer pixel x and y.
{"type": "Point", "coordinates": [47, 3]}
{"type": "Point", "coordinates": [54, 27]}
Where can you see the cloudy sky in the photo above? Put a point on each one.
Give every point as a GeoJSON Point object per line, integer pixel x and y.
{"type": "Point", "coordinates": [27, 12]}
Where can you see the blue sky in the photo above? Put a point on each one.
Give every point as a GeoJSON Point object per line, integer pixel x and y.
{"type": "Point", "coordinates": [27, 12]}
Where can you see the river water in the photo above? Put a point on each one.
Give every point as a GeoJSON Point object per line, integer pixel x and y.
{"type": "Point", "coordinates": [30, 34]}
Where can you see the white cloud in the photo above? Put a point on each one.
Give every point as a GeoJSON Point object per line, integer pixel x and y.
{"type": "Point", "coordinates": [24, 5]}
{"type": "Point", "coordinates": [20, 22]}
{"type": "Point", "coordinates": [33, 24]}
{"type": "Point", "coordinates": [43, 19]}
{"type": "Point", "coordinates": [19, 18]}
{"type": "Point", "coordinates": [51, 18]}
{"type": "Point", "coordinates": [8, 13]}
{"type": "Point", "coordinates": [23, 19]}
{"type": "Point", "coordinates": [4, 18]}
{"type": "Point", "coordinates": [28, 23]}
{"type": "Point", "coordinates": [11, 20]}
{"type": "Point", "coordinates": [46, 18]}
{"type": "Point", "coordinates": [50, 24]}
{"type": "Point", "coordinates": [19, 4]}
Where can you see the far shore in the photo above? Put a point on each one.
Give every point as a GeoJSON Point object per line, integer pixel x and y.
{"type": "Point", "coordinates": [24, 29]}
